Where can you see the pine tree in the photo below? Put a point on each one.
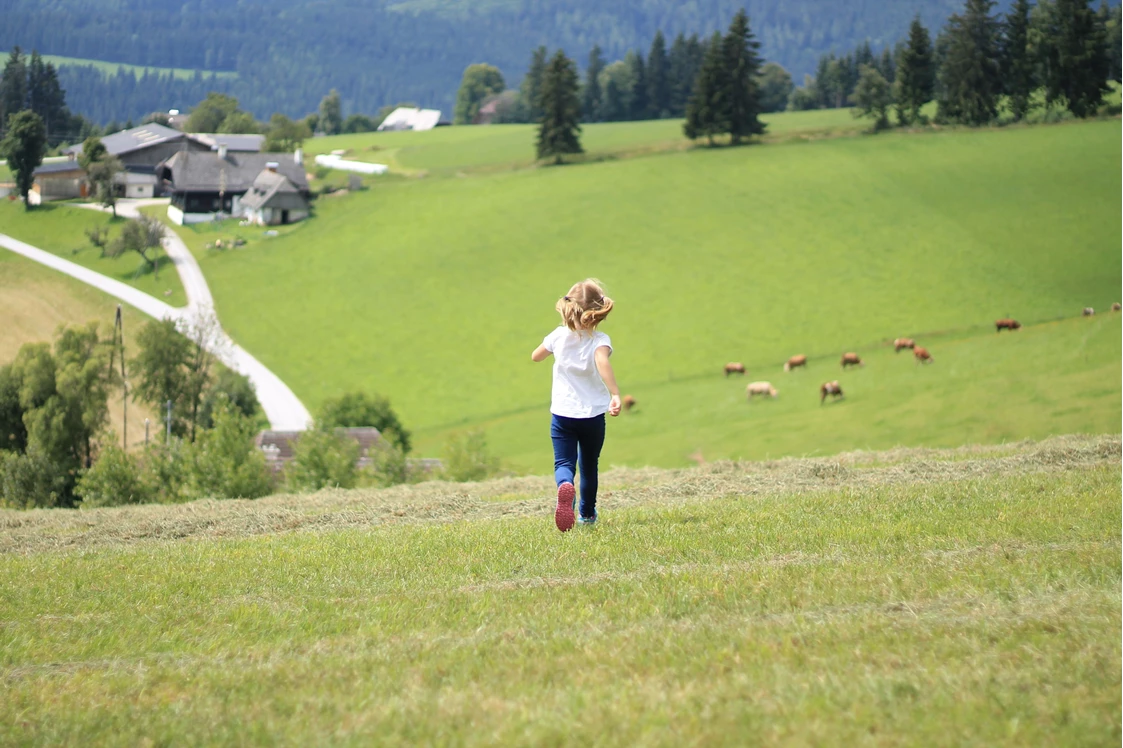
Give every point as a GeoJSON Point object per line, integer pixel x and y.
{"type": "Point", "coordinates": [1112, 22]}
{"type": "Point", "coordinates": [742, 65]}
{"type": "Point", "coordinates": [531, 87]}
{"type": "Point", "coordinates": [560, 101]}
{"type": "Point", "coordinates": [13, 87]}
{"type": "Point", "coordinates": [970, 77]}
{"type": "Point", "coordinates": [1077, 60]}
{"type": "Point", "coordinates": [591, 94]}
{"type": "Point", "coordinates": [1017, 65]}
{"type": "Point", "coordinates": [658, 79]}
{"type": "Point", "coordinates": [916, 75]}
{"type": "Point", "coordinates": [679, 79]}
{"type": "Point", "coordinates": [637, 96]}
{"type": "Point", "coordinates": [885, 65]}
{"type": "Point", "coordinates": [707, 111]}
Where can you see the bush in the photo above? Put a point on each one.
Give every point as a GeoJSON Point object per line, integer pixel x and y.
{"type": "Point", "coordinates": [32, 480]}
{"type": "Point", "coordinates": [323, 459]}
{"type": "Point", "coordinates": [166, 469]}
{"type": "Point", "coordinates": [114, 479]}
{"type": "Point", "coordinates": [466, 458]}
{"type": "Point", "coordinates": [224, 462]}
{"type": "Point", "coordinates": [388, 467]}
{"type": "Point", "coordinates": [235, 387]}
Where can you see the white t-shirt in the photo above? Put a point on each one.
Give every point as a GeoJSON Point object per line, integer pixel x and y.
{"type": "Point", "coordinates": [578, 390]}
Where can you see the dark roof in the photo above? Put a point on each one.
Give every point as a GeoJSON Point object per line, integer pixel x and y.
{"type": "Point", "coordinates": [57, 167]}
{"type": "Point", "coordinates": [197, 171]}
{"type": "Point", "coordinates": [268, 186]}
{"type": "Point", "coordinates": [127, 141]}
{"type": "Point", "coordinates": [233, 141]}
{"type": "Point", "coordinates": [278, 445]}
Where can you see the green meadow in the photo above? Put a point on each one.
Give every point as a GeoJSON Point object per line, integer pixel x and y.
{"type": "Point", "coordinates": [110, 68]}
{"type": "Point", "coordinates": [60, 229]}
{"type": "Point", "coordinates": [433, 291]}
{"type": "Point", "coordinates": [968, 597]}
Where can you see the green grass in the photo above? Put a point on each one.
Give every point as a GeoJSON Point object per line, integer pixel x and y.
{"type": "Point", "coordinates": [111, 68]}
{"type": "Point", "coordinates": [434, 291]}
{"type": "Point", "coordinates": [958, 602]}
{"type": "Point", "coordinates": [60, 229]}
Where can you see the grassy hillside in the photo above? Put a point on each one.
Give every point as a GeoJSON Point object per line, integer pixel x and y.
{"type": "Point", "coordinates": [60, 229]}
{"type": "Point", "coordinates": [434, 291]}
{"type": "Point", "coordinates": [960, 598]}
{"type": "Point", "coordinates": [35, 301]}
{"type": "Point", "coordinates": [138, 70]}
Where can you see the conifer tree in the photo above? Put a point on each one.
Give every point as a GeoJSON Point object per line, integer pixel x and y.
{"type": "Point", "coordinates": [1077, 62]}
{"type": "Point", "coordinates": [531, 86]}
{"type": "Point", "coordinates": [13, 87]}
{"type": "Point", "coordinates": [1017, 65]}
{"type": "Point", "coordinates": [658, 80]}
{"type": "Point", "coordinates": [591, 94]}
{"type": "Point", "coordinates": [637, 95]}
{"type": "Point", "coordinates": [970, 77]}
{"type": "Point", "coordinates": [916, 75]}
{"type": "Point", "coordinates": [742, 65]}
{"type": "Point", "coordinates": [886, 66]}
{"type": "Point", "coordinates": [707, 111]}
{"type": "Point", "coordinates": [679, 78]}
{"type": "Point", "coordinates": [560, 102]}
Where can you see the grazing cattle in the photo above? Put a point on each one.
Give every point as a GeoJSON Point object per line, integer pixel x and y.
{"type": "Point", "coordinates": [851, 359]}
{"type": "Point", "coordinates": [1089, 311]}
{"type": "Point", "coordinates": [734, 367]}
{"type": "Point", "coordinates": [829, 388]}
{"type": "Point", "coordinates": [922, 355]}
{"type": "Point", "coordinates": [795, 362]}
{"type": "Point", "coordinates": [1006, 324]}
{"type": "Point", "coordinates": [760, 388]}
{"type": "Point", "coordinates": [901, 343]}
{"type": "Point", "coordinates": [1116, 307]}
{"type": "Point", "coordinates": [629, 402]}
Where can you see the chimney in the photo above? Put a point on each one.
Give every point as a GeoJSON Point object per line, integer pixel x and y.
{"type": "Point", "coordinates": [272, 166]}
{"type": "Point", "coordinates": [222, 151]}
{"type": "Point", "coordinates": [298, 156]}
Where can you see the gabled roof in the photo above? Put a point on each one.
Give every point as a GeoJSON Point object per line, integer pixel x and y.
{"type": "Point", "coordinates": [128, 141]}
{"type": "Point", "coordinates": [233, 141]}
{"type": "Point", "coordinates": [58, 167]}
{"type": "Point", "coordinates": [198, 171]}
{"type": "Point", "coordinates": [268, 185]}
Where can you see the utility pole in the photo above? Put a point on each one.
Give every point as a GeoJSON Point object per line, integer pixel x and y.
{"type": "Point", "coordinates": [168, 435]}
{"type": "Point", "coordinates": [118, 346]}
{"type": "Point", "coordinates": [146, 432]}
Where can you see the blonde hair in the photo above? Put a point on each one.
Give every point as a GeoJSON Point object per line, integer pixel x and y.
{"type": "Point", "coordinates": [585, 306]}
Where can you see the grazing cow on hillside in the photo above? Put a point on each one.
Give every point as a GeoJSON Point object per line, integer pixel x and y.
{"type": "Point", "coordinates": [1089, 311]}
{"type": "Point", "coordinates": [734, 367]}
{"type": "Point", "coordinates": [901, 343]}
{"type": "Point", "coordinates": [760, 388]}
{"type": "Point", "coordinates": [795, 362]}
{"type": "Point", "coordinates": [851, 359]}
{"type": "Point", "coordinates": [1006, 324]}
{"type": "Point", "coordinates": [629, 402]}
{"type": "Point", "coordinates": [829, 388]}
{"type": "Point", "coordinates": [922, 355]}
{"type": "Point", "coordinates": [1116, 307]}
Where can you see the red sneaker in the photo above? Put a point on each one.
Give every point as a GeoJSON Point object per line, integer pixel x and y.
{"type": "Point", "coordinates": [563, 515]}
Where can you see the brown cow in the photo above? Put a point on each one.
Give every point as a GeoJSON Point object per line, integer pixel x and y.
{"type": "Point", "coordinates": [734, 367]}
{"type": "Point", "coordinates": [851, 359]}
{"type": "Point", "coordinates": [760, 388]}
{"type": "Point", "coordinates": [795, 362]}
{"type": "Point", "coordinates": [629, 402]}
{"type": "Point", "coordinates": [1089, 311]}
{"type": "Point", "coordinates": [829, 388]}
{"type": "Point", "coordinates": [922, 355]}
{"type": "Point", "coordinates": [900, 343]}
{"type": "Point", "coordinates": [1116, 307]}
{"type": "Point", "coordinates": [1007, 324]}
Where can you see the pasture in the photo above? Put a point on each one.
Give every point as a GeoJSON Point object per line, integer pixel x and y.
{"type": "Point", "coordinates": [433, 291]}
{"type": "Point", "coordinates": [111, 68]}
{"type": "Point", "coordinates": [911, 597]}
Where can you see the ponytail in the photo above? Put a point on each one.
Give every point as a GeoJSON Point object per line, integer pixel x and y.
{"type": "Point", "coordinates": [585, 306]}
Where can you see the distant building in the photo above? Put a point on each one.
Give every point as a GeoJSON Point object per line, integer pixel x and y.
{"type": "Point", "coordinates": [409, 118]}
{"type": "Point", "coordinates": [278, 446]}
{"type": "Point", "coordinates": [201, 185]}
{"type": "Point", "coordinates": [234, 142]}
{"type": "Point", "coordinates": [61, 180]}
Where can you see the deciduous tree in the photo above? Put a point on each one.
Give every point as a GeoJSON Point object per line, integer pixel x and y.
{"type": "Point", "coordinates": [142, 235]}
{"type": "Point", "coordinates": [209, 114]}
{"type": "Point", "coordinates": [775, 86]}
{"type": "Point", "coordinates": [284, 135]}
{"type": "Point", "coordinates": [872, 97]}
{"type": "Point", "coordinates": [331, 113]}
{"type": "Point", "coordinates": [357, 410]}
{"type": "Point", "coordinates": [23, 146]}
{"type": "Point", "coordinates": [478, 82]}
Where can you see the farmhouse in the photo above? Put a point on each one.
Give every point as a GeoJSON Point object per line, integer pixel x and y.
{"type": "Point", "coordinates": [278, 446]}
{"type": "Point", "coordinates": [62, 180]}
{"type": "Point", "coordinates": [202, 185]}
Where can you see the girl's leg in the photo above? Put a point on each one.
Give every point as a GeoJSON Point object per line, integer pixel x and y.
{"type": "Point", "coordinates": [590, 439]}
{"type": "Point", "coordinates": [564, 437]}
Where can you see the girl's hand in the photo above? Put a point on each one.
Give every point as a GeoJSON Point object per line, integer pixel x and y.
{"type": "Point", "coordinates": [614, 406]}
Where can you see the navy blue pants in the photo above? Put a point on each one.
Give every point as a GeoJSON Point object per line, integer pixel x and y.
{"type": "Point", "coordinates": [577, 443]}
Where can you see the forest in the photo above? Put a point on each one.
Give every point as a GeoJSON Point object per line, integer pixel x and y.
{"type": "Point", "coordinates": [288, 55]}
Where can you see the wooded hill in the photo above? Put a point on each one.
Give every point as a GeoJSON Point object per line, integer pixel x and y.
{"type": "Point", "coordinates": [289, 54]}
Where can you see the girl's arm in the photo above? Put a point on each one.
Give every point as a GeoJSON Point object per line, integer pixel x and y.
{"type": "Point", "coordinates": [540, 354]}
{"type": "Point", "coordinates": [604, 368]}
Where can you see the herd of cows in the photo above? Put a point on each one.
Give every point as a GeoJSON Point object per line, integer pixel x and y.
{"type": "Point", "coordinates": [833, 389]}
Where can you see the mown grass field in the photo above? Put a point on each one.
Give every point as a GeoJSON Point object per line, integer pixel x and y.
{"type": "Point", "coordinates": [433, 291]}
{"type": "Point", "coordinates": [111, 68]}
{"type": "Point", "coordinates": [60, 229]}
{"type": "Point", "coordinates": [35, 301]}
{"type": "Point", "coordinates": [917, 598]}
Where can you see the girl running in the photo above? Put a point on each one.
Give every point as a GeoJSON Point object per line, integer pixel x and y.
{"type": "Point", "coordinates": [584, 390]}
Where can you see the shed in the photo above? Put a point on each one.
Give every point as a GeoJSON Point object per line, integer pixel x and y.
{"type": "Point", "coordinates": [274, 200]}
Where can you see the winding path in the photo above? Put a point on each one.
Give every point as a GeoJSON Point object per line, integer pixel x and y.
{"type": "Point", "coordinates": [283, 409]}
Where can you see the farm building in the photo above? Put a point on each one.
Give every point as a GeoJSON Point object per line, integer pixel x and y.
{"type": "Point", "coordinates": [273, 200]}
{"type": "Point", "coordinates": [201, 185]}
{"type": "Point", "coordinates": [61, 180]}
{"type": "Point", "coordinates": [237, 142]}
{"type": "Point", "coordinates": [409, 118]}
{"type": "Point", "coordinates": [278, 445]}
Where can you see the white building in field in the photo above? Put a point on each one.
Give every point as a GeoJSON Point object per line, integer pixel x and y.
{"type": "Point", "coordinates": [409, 118]}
